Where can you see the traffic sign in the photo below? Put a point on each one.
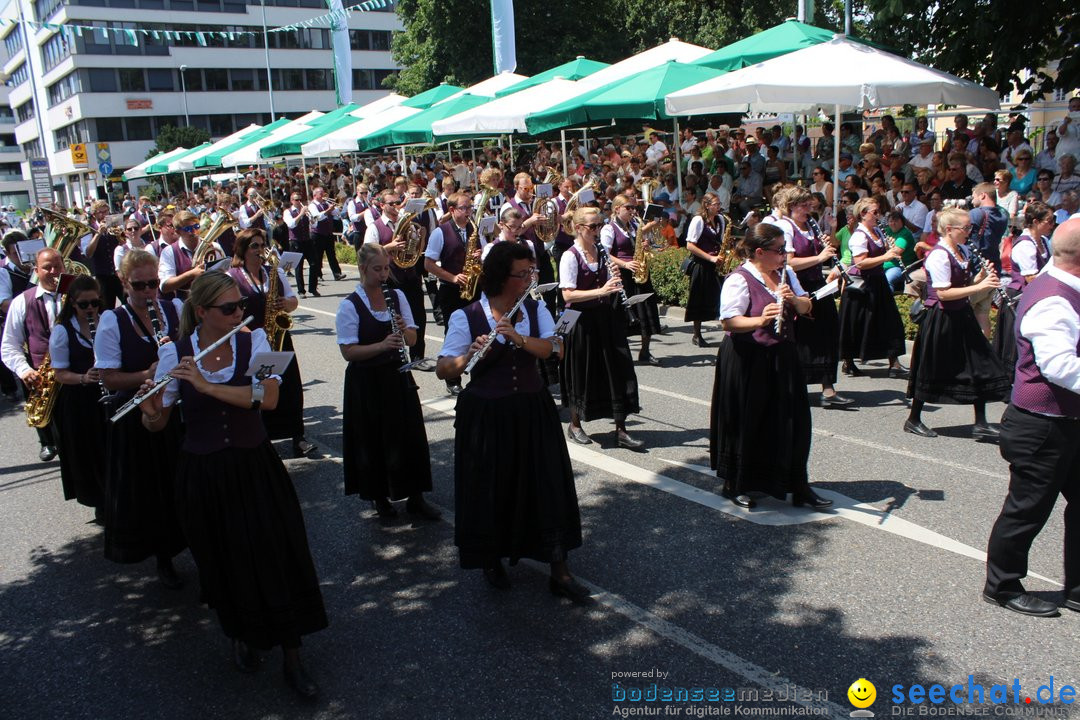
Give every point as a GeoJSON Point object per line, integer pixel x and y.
{"type": "Point", "coordinates": [103, 153]}
{"type": "Point", "coordinates": [78, 154]}
{"type": "Point", "coordinates": [105, 167]}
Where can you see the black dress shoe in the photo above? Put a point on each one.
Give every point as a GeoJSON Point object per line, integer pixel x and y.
{"type": "Point", "coordinates": [835, 401]}
{"type": "Point", "coordinates": [850, 368]}
{"type": "Point", "coordinates": [648, 359]}
{"type": "Point", "coordinates": [454, 390]}
{"type": "Point", "coordinates": [810, 498]}
{"type": "Point", "coordinates": [918, 429]}
{"type": "Point", "coordinates": [299, 680]}
{"type": "Point", "coordinates": [167, 575]}
{"type": "Point", "coordinates": [303, 295]}
{"type": "Point", "coordinates": [1073, 605]}
{"type": "Point", "coordinates": [339, 276]}
{"type": "Point", "coordinates": [699, 341]}
{"type": "Point", "coordinates": [246, 658]}
{"type": "Point", "coordinates": [625, 441]}
{"type": "Point", "coordinates": [568, 587]}
{"type": "Point", "coordinates": [1025, 604]}
{"type": "Point", "coordinates": [48, 452]}
{"type": "Point", "coordinates": [743, 501]}
{"type": "Point", "coordinates": [315, 293]}
{"type": "Point", "coordinates": [981, 431]}
{"type": "Point", "coordinates": [496, 576]}
{"type": "Point", "coordinates": [578, 435]}
{"type": "Point", "coordinates": [418, 506]}
{"type": "Point", "coordinates": [385, 509]}
{"type": "Point", "coordinates": [303, 448]}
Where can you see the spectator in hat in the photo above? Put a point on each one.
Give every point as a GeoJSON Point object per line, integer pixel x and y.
{"type": "Point", "coordinates": [924, 157]}
{"type": "Point", "coordinates": [846, 168]}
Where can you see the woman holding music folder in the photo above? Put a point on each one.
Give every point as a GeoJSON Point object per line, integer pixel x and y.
{"type": "Point", "coordinates": [704, 240]}
{"type": "Point", "coordinates": [385, 444]}
{"type": "Point", "coordinates": [513, 484]}
{"type": "Point", "coordinates": [235, 498]}
{"type": "Point", "coordinates": [619, 238]}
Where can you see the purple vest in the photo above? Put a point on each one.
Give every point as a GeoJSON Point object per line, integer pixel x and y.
{"type": "Point", "coordinates": [805, 246]}
{"type": "Point", "coordinates": [300, 234]}
{"type": "Point", "coordinates": [359, 206]}
{"type": "Point", "coordinates": [874, 248]}
{"type": "Point", "coordinates": [562, 239]}
{"type": "Point", "coordinates": [371, 331]}
{"type": "Point", "coordinates": [211, 425]}
{"type": "Point", "coordinates": [182, 262]}
{"type": "Point", "coordinates": [256, 298]}
{"type": "Point", "coordinates": [102, 259]}
{"type": "Point", "coordinates": [759, 298]}
{"type": "Point", "coordinates": [136, 353]}
{"type": "Point", "coordinates": [711, 237]}
{"type": "Point", "coordinates": [505, 370]}
{"type": "Point", "coordinates": [386, 233]}
{"type": "Point", "coordinates": [38, 327]}
{"type": "Point", "coordinates": [227, 240]}
{"type": "Point", "coordinates": [622, 245]}
{"type": "Point", "coordinates": [80, 358]}
{"type": "Point", "coordinates": [526, 213]}
{"type": "Point", "coordinates": [1031, 391]}
{"type": "Point", "coordinates": [588, 280]}
{"type": "Point", "coordinates": [453, 250]}
{"type": "Point", "coordinates": [1018, 282]}
{"type": "Point", "coordinates": [959, 278]}
{"type": "Point", "coordinates": [326, 225]}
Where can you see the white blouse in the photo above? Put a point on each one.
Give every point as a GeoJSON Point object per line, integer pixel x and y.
{"type": "Point", "coordinates": [735, 295]}
{"type": "Point", "coordinates": [347, 321]}
{"type": "Point", "coordinates": [167, 360]}
{"type": "Point", "coordinates": [59, 351]}
{"type": "Point", "coordinates": [459, 338]}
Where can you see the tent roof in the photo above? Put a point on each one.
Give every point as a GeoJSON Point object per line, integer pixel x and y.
{"type": "Point", "coordinates": [416, 129]}
{"type": "Point", "coordinates": [345, 138]}
{"type": "Point", "coordinates": [212, 159]}
{"type": "Point", "coordinates": [248, 153]}
{"type": "Point", "coordinates": [187, 161]}
{"type": "Point", "coordinates": [576, 69]}
{"type": "Point", "coordinates": [504, 114]}
{"type": "Point", "coordinates": [431, 96]}
{"type": "Point", "coordinates": [139, 170]}
{"type": "Point", "coordinates": [788, 36]}
{"type": "Point", "coordinates": [290, 144]}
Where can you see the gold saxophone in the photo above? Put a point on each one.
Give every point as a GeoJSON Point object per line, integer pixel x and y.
{"type": "Point", "coordinates": [42, 399]}
{"type": "Point", "coordinates": [473, 266]}
{"type": "Point", "coordinates": [729, 255]}
{"type": "Point", "coordinates": [643, 253]}
{"type": "Point", "coordinates": [548, 210]}
{"type": "Point", "coordinates": [413, 236]}
{"type": "Point", "coordinates": [275, 322]}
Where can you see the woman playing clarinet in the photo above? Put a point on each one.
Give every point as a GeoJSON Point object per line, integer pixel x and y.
{"type": "Point", "coordinates": [385, 445]}
{"type": "Point", "coordinates": [514, 492]}
{"type": "Point", "coordinates": [253, 279]}
{"type": "Point", "coordinates": [619, 238]}
{"type": "Point", "coordinates": [80, 416]}
{"type": "Point", "coordinates": [1030, 253]}
{"type": "Point", "coordinates": [759, 439]}
{"type": "Point", "coordinates": [704, 239]}
{"type": "Point", "coordinates": [235, 498]}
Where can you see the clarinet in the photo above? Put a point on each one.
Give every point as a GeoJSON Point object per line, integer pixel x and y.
{"type": "Point", "coordinates": [815, 229]}
{"type": "Point", "coordinates": [155, 321]}
{"type": "Point", "coordinates": [783, 283]}
{"type": "Point", "coordinates": [394, 329]}
{"type": "Point", "coordinates": [92, 326]}
{"type": "Point", "coordinates": [613, 271]}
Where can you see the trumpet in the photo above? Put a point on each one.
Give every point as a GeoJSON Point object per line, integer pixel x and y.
{"type": "Point", "coordinates": [491, 336]}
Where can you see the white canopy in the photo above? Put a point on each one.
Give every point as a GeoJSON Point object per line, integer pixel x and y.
{"type": "Point", "coordinates": [838, 73]}
{"type": "Point", "coordinates": [139, 171]}
{"type": "Point", "coordinates": [377, 106]}
{"type": "Point", "coordinates": [488, 88]}
{"type": "Point", "coordinates": [249, 154]}
{"type": "Point", "coordinates": [187, 162]}
{"type": "Point", "coordinates": [506, 114]}
{"type": "Point", "coordinates": [344, 139]}
{"type": "Point", "coordinates": [674, 50]}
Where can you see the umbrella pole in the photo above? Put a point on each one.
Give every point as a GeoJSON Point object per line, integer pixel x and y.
{"type": "Point", "coordinates": [836, 165]}
{"type": "Point", "coordinates": [303, 164]}
{"type": "Point", "coordinates": [795, 148]}
{"type": "Point", "coordinates": [563, 134]}
{"type": "Point", "coordinates": [678, 164]}
{"type": "Point", "coordinates": [510, 139]}
{"type": "Point", "coordinates": [472, 149]}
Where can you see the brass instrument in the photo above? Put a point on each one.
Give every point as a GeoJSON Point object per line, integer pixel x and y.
{"type": "Point", "coordinates": [473, 267]}
{"type": "Point", "coordinates": [647, 186]}
{"type": "Point", "coordinates": [275, 322]}
{"type": "Point", "coordinates": [414, 237]}
{"type": "Point", "coordinates": [728, 251]}
{"type": "Point", "coordinates": [572, 203]}
{"type": "Point", "coordinates": [267, 206]}
{"type": "Point", "coordinates": [205, 253]}
{"type": "Point", "coordinates": [548, 210]}
{"type": "Point", "coordinates": [63, 235]}
{"type": "Point", "coordinates": [42, 398]}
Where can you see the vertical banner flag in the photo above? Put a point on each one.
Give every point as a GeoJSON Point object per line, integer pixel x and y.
{"type": "Point", "coordinates": [339, 41]}
{"type": "Point", "coordinates": [502, 36]}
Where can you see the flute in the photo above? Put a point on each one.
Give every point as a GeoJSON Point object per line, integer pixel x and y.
{"type": "Point", "coordinates": [779, 323]}
{"type": "Point", "coordinates": [479, 354]}
{"type": "Point", "coordinates": [394, 329]}
{"type": "Point", "coordinates": [168, 378]}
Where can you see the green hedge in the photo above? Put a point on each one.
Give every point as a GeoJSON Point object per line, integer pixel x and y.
{"type": "Point", "coordinates": [346, 253]}
{"type": "Point", "coordinates": [671, 285]}
{"type": "Point", "coordinates": [903, 304]}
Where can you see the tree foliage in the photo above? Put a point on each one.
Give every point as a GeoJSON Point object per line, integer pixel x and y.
{"type": "Point", "coordinates": [170, 138]}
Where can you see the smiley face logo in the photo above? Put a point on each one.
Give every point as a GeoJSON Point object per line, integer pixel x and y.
{"type": "Point", "coordinates": [862, 693]}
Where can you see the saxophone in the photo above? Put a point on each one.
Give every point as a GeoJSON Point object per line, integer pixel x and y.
{"type": "Point", "coordinates": [473, 267]}
{"type": "Point", "coordinates": [643, 252]}
{"type": "Point", "coordinates": [275, 322]}
{"type": "Point", "coordinates": [728, 252]}
{"type": "Point", "coordinates": [42, 399]}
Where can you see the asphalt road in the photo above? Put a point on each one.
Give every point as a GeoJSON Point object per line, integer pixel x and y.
{"type": "Point", "coordinates": [779, 610]}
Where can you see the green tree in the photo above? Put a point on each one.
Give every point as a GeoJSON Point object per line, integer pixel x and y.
{"type": "Point", "coordinates": [170, 138]}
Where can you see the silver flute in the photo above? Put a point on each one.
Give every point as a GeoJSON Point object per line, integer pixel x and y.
{"type": "Point", "coordinates": [779, 323]}
{"type": "Point", "coordinates": [168, 378]}
{"type": "Point", "coordinates": [391, 306]}
{"type": "Point", "coordinates": [491, 336]}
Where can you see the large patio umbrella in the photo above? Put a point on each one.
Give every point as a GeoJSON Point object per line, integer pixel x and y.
{"type": "Point", "coordinates": [377, 106]}
{"type": "Point", "coordinates": [162, 167]}
{"type": "Point", "coordinates": [788, 36]}
{"type": "Point", "coordinates": [187, 162]}
{"type": "Point", "coordinates": [505, 114]}
{"type": "Point", "coordinates": [248, 154]}
{"type": "Point", "coordinates": [416, 129]}
{"type": "Point", "coordinates": [213, 157]}
{"type": "Point", "coordinates": [139, 171]}
{"type": "Point", "coordinates": [290, 145]}
{"type": "Point", "coordinates": [576, 69]}
{"type": "Point", "coordinates": [429, 97]}
{"type": "Point", "coordinates": [343, 139]}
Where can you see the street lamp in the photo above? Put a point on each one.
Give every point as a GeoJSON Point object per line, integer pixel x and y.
{"type": "Point", "coordinates": [183, 88]}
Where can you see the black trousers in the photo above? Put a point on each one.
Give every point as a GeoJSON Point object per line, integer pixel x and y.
{"type": "Point", "coordinates": [313, 256]}
{"type": "Point", "coordinates": [7, 380]}
{"type": "Point", "coordinates": [326, 244]}
{"type": "Point", "coordinates": [1044, 460]}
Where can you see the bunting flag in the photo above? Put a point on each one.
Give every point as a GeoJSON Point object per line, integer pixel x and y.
{"type": "Point", "coordinates": [503, 42]}
{"type": "Point", "coordinates": [339, 41]}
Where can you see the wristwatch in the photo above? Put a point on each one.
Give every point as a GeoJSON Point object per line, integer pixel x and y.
{"type": "Point", "coordinates": [258, 391]}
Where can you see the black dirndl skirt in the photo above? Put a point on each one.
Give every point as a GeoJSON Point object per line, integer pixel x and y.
{"type": "Point", "coordinates": [759, 436]}
{"type": "Point", "coordinates": [645, 316]}
{"type": "Point", "coordinates": [80, 422]}
{"type": "Point", "coordinates": [1005, 336]}
{"type": "Point", "coordinates": [140, 497]}
{"type": "Point", "coordinates": [383, 437]}
{"type": "Point", "coordinates": [870, 324]}
{"type": "Point", "coordinates": [287, 419]}
{"type": "Point", "coordinates": [817, 337]}
{"type": "Point", "coordinates": [952, 362]}
{"type": "Point", "coordinates": [243, 522]}
{"type": "Point", "coordinates": [703, 300]}
{"type": "Point", "coordinates": [597, 374]}
{"type": "Point", "coordinates": [514, 493]}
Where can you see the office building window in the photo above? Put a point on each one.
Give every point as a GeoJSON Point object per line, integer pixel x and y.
{"type": "Point", "coordinates": [70, 134]}
{"type": "Point", "coordinates": [132, 80]}
{"type": "Point", "coordinates": [55, 50]}
{"type": "Point", "coordinates": [318, 79]}
{"type": "Point", "coordinates": [221, 125]}
{"type": "Point", "coordinates": [243, 79]}
{"type": "Point", "coordinates": [32, 149]}
{"type": "Point", "coordinates": [160, 80]}
{"type": "Point", "coordinates": [216, 79]}
{"type": "Point", "coordinates": [19, 76]}
{"type": "Point", "coordinates": [380, 40]}
{"type": "Point", "coordinates": [193, 80]}
{"type": "Point", "coordinates": [380, 78]}
{"type": "Point", "coordinates": [24, 112]}
{"type": "Point", "coordinates": [138, 128]}
{"type": "Point", "coordinates": [63, 88]}
{"type": "Point", "coordinates": [109, 129]}
{"type": "Point", "coordinates": [13, 43]}
{"type": "Point", "coordinates": [101, 79]}
{"type": "Point", "coordinates": [44, 9]}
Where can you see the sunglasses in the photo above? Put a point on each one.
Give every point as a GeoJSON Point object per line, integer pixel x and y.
{"type": "Point", "coordinates": [964, 228]}
{"type": "Point", "coordinates": [230, 307]}
{"type": "Point", "coordinates": [1045, 179]}
{"type": "Point", "coordinates": [777, 250]}
{"type": "Point", "coordinates": [188, 228]}
{"type": "Point", "coordinates": [140, 285]}
{"type": "Point", "coordinates": [83, 304]}
{"type": "Point", "coordinates": [592, 226]}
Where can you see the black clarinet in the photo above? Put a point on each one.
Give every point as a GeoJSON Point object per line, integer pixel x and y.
{"type": "Point", "coordinates": [815, 230]}
{"type": "Point", "coordinates": [391, 306]}
{"type": "Point", "coordinates": [159, 335]}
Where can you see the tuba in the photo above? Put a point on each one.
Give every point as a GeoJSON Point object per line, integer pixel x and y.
{"type": "Point", "coordinates": [413, 236]}
{"type": "Point", "coordinates": [275, 322]}
{"type": "Point", "coordinates": [473, 267]}
{"type": "Point", "coordinates": [63, 235]}
{"type": "Point", "coordinates": [548, 210]}
{"type": "Point", "coordinates": [572, 203]}
{"type": "Point", "coordinates": [205, 252]}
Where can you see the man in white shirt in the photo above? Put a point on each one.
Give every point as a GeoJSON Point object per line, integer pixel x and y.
{"type": "Point", "coordinates": [323, 213]}
{"type": "Point", "coordinates": [914, 211]}
{"type": "Point", "coordinates": [657, 150]}
{"type": "Point", "coordinates": [1047, 157]}
{"type": "Point", "coordinates": [925, 157]}
{"type": "Point", "coordinates": [251, 214]}
{"type": "Point", "coordinates": [689, 142]}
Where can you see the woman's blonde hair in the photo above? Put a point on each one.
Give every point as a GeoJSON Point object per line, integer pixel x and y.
{"type": "Point", "coordinates": [205, 290]}
{"type": "Point", "coordinates": [1003, 176]}
{"type": "Point", "coordinates": [136, 259]}
{"type": "Point", "coordinates": [863, 204]}
{"type": "Point", "coordinates": [949, 217]}
{"type": "Point", "coordinates": [583, 212]}
{"type": "Point", "coordinates": [367, 252]}
{"type": "Point", "coordinates": [788, 196]}
{"type": "Point", "coordinates": [618, 202]}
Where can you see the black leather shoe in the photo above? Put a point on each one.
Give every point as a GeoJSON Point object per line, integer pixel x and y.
{"type": "Point", "coordinates": [743, 501]}
{"type": "Point", "coordinates": [496, 576]}
{"type": "Point", "coordinates": [625, 441]}
{"type": "Point", "coordinates": [1073, 605]}
{"type": "Point", "coordinates": [339, 276]}
{"type": "Point", "coordinates": [48, 452]}
{"type": "Point", "coordinates": [167, 575]}
{"type": "Point", "coordinates": [303, 448]}
{"type": "Point", "coordinates": [835, 401]}
{"type": "Point", "coordinates": [811, 499]}
{"type": "Point", "coordinates": [385, 509]}
{"type": "Point", "coordinates": [1025, 604]}
{"type": "Point", "coordinates": [985, 432]}
{"type": "Point", "coordinates": [299, 680]}
{"type": "Point", "coordinates": [315, 293]}
{"type": "Point", "coordinates": [568, 587]}
{"type": "Point", "coordinates": [454, 390]}
{"type": "Point", "coordinates": [918, 429]}
{"type": "Point", "coordinates": [898, 373]}
{"type": "Point", "coordinates": [648, 359]}
{"type": "Point", "coordinates": [699, 341]}
{"type": "Point", "coordinates": [578, 435]}
{"type": "Point", "coordinates": [850, 368]}
{"type": "Point", "coordinates": [246, 658]}
{"type": "Point", "coordinates": [418, 506]}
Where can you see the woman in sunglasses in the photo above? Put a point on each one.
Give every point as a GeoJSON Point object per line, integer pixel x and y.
{"type": "Point", "coordinates": [235, 498]}
{"type": "Point", "coordinates": [952, 362]}
{"type": "Point", "coordinates": [598, 377]}
{"type": "Point", "coordinates": [759, 436]}
{"type": "Point", "coordinates": [140, 515]}
{"type": "Point", "coordinates": [132, 241]}
{"type": "Point", "coordinates": [1030, 254]}
{"type": "Point", "coordinates": [253, 279]}
{"type": "Point", "coordinates": [80, 417]}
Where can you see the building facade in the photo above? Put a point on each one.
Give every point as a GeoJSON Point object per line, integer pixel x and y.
{"type": "Point", "coordinates": [13, 189]}
{"type": "Point", "coordinates": [109, 86]}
